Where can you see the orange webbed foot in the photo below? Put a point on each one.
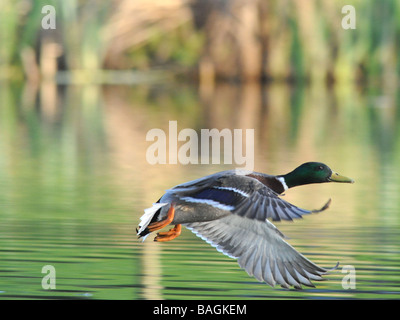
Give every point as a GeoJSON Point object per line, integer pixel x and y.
{"type": "Point", "coordinates": [169, 235]}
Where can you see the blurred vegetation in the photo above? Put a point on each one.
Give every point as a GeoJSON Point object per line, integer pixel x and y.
{"type": "Point", "coordinates": [224, 39]}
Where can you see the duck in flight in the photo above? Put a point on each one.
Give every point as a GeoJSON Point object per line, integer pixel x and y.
{"type": "Point", "coordinates": [231, 210]}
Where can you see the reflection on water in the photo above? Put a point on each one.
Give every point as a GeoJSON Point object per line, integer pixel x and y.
{"type": "Point", "coordinates": [74, 181]}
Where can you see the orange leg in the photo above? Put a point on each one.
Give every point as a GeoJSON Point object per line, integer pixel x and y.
{"type": "Point", "coordinates": [163, 223]}
{"type": "Point", "coordinates": [169, 235]}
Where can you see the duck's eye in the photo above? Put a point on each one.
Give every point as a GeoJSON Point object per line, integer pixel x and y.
{"type": "Point", "coordinates": [320, 168]}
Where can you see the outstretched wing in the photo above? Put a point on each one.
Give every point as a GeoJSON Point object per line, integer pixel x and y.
{"type": "Point", "coordinates": [263, 203]}
{"type": "Point", "coordinates": [241, 195]}
{"type": "Point", "coordinates": [260, 250]}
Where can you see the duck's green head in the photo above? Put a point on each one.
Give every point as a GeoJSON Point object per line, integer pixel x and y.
{"type": "Point", "coordinates": [313, 172]}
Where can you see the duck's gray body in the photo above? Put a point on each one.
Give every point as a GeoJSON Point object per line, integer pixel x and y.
{"type": "Point", "coordinates": [226, 193]}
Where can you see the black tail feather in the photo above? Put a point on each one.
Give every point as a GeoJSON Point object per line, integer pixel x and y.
{"type": "Point", "coordinates": [145, 232]}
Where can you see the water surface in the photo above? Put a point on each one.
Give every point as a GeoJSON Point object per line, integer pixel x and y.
{"type": "Point", "coordinates": [74, 181]}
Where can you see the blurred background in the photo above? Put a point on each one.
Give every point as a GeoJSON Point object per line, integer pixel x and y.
{"type": "Point", "coordinates": [207, 40]}
{"type": "Point", "coordinates": [77, 101]}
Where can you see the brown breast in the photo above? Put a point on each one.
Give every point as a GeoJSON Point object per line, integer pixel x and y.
{"type": "Point", "coordinates": [270, 182]}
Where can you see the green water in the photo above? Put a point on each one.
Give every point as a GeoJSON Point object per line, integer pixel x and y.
{"type": "Point", "coordinates": [74, 181]}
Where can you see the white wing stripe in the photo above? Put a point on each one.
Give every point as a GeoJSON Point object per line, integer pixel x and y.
{"type": "Point", "coordinates": [244, 194]}
{"type": "Point", "coordinates": [209, 202]}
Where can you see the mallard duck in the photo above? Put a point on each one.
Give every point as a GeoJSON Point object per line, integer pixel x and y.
{"type": "Point", "coordinates": [230, 210]}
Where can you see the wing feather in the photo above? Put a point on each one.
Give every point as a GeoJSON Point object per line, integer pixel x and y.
{"type": "Point", "coordinates": [260, 250]}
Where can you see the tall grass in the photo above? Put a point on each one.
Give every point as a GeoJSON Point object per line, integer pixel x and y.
{"type": "Point", "coordinates": [241, 40]}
